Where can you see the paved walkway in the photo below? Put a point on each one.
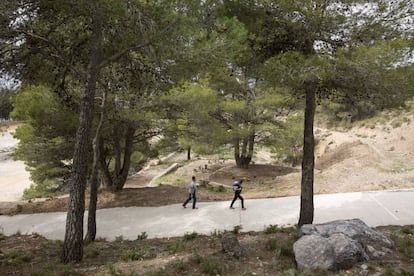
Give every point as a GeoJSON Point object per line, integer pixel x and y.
{"type": "Point", "coordinates": [374, 208]}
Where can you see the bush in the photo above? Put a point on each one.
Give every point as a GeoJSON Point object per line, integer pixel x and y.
{"type": "Point", "coordinates": [271, 229]}
{"type": "Point", "coordinates": [142, 236]}
{"type": "Point", "coordinates": [139, 254]}
{"type": "Point", "coordinates": [236, 229]}
{"type": "Point", "coordinates": [174, 248]}
{"type": "Point", "coordinates": [208, 265]}
{"type": "Point", "coordinates": [190, 236]}
{"type": "Point", "coordinates": [284, 248]}
{"type": "Point", "coordinates": [211, 266]}
{"type": "Point", "coordinates": [15, 257]}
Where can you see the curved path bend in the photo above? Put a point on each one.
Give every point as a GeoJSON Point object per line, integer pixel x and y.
{"type": "Point", "coordinates": [374, 208]}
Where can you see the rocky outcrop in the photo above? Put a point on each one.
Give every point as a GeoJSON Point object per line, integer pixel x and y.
{"type": "Point", "coordinates": [339, 245]}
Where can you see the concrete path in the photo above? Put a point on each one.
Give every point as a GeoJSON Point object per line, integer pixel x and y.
{"type": "Point", "coordinates": [374, 208]}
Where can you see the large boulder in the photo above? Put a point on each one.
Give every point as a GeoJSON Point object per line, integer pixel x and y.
{"type": "Point", "coordinates": [339, 245]}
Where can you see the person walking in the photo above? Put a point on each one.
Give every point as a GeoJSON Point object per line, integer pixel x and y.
{"type": "Point", "coordinates": [192, 193]}
{"type": "Point", "coordinates": [237, 188]}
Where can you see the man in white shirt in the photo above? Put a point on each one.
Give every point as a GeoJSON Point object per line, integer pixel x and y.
{"type": "Point", "coordinates": [192, 193]}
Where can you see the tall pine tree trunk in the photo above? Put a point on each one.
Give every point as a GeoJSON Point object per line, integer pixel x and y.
{"type": "Point", "coordinates": [244, 157]}
{"type": "Point", "coordinates": [122, 175]}
{"type": "Point", "coordinates": [73, 242]}
{"type": "Point", "coordinates": [189, 153]}
{"type": "Point", "coordinates": [91, 233]}
{"type": "Point", "coordinates": [308, 161]}
{"type": "Point", "coordinates": [237, 158]}
{"type": "Point", "coordinates": [115, 180]}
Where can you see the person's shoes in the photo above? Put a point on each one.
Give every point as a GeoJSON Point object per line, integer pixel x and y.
{"type": "Point", "coordinates": [184, 206]}
{"type": "Point", "coordinates": [195, 208]}
{"type": "Point", "coordinates": [243, 209]}
{"type": "Point", "coordinates": [231, 207]}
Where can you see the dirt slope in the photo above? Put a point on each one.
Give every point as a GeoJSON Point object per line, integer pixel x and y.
{"type": "Point", "coordinates": [365, 159]}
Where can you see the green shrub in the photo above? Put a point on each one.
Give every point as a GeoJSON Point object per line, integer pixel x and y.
{"type": "Point", "coordinates": [283, 248]}
{"type": "Point", "coordinates": [15, 257]}
{"type": "Point", "coordinates": [142, 236]}
{"type": "Point", "coordinates": [208, 265]}
{"type": "Point", "coordinates": [91, 254]}
{"type": "Point", "coordinates": [211, 266]}
{"type": "Point", "coordinates": [197, 258]}
{"type": "Point", "coordinates": [220, 189]}
{"type": "Point", "coordinates": [119, 238]}
{"type": "Point", "coordinates": [408, 230]}
{"type": "Point", "coordinates": [179, 266]}
{"type": "Point", "coordinates": [271, 245]}
{"type": "Point", "coordinates": [286, 249]}
{"type": "Point", "coordinates": [217, 233]}
{"type": "Point", "coordinates": [270, 229]}
{"type": "Point", "coordinates": [190, 236]}
{"type": "Point", "coordinates": [236, 229]}
{"type": "Point", "coordinates": [174, 248]}
{"type": "Point", "coordinates": [139, 254]}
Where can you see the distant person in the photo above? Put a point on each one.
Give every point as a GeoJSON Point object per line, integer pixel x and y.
{"type": "Point", "coordinates": [237, 188]}
{"type": "Point", "coordinates": [192, 193]}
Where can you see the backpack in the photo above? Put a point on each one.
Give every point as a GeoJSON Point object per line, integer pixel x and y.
{"type": "Point", "coordinates": [236, 185]}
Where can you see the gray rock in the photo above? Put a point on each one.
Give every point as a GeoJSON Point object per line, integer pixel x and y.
{"type": "Point", "coordinates": [333, 253]}
{"type": "Point", "coordinates": [347, 252]}
{"type": "Point", "coordinates": [231, 245]}
{"type": "Point", "coordinates": [353, 228]}
{"type": "Point", "coordinates": [313, 251]}
{"type": "Point", "coordinates": [339, 245]}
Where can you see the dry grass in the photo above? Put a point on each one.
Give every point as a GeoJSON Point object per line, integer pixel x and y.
{"type": "Point", "coordinates": [265, 253]}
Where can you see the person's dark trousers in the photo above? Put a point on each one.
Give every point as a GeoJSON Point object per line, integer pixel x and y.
{"type": "Point", "coordinates": [191, 196]}
{"type": "Point", "coordinates": [236, 196]}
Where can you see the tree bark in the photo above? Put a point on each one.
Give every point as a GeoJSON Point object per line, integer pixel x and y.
{"type": "Point", "coordinates": [115, 180]}
{"type": "Point", "coordinates": [308, 161]}
{"type": "Point", "coordinates": [117, 149]}
{"type": "Point", "coordinates": [244, 157]}
{"type": "Point", "coordinates": [73, 242]}
{"type": "Point", "coordinates": [106, 178]}
{"type": "Point", "coordinates": [91, 233]}
{"type": "Point", "coordinates": [122, 176]}
{"type": "Point", "coordinates": [237, 157]}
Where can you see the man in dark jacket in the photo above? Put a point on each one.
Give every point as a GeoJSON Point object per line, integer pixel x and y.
{"type": "Point", "coordinates": [237, 188]}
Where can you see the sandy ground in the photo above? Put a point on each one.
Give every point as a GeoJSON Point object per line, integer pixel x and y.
{"type": "Point", "coordinates": [13, 176]}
